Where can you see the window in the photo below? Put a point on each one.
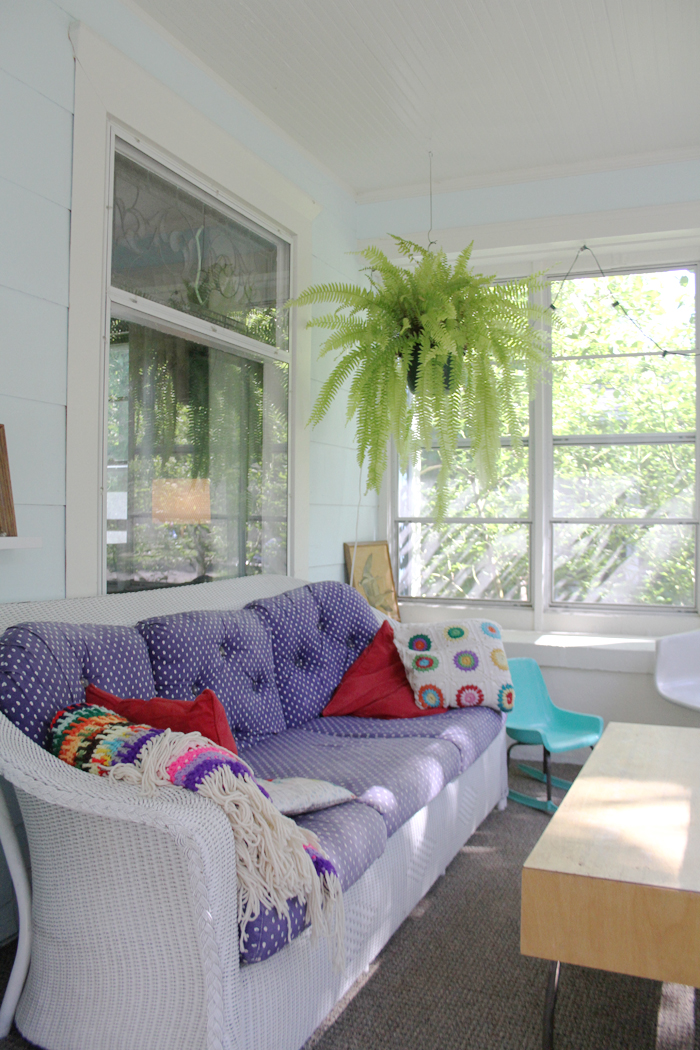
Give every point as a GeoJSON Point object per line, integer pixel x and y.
{"type": "Point", "coordinates": [606, 505]}
{"type": "Point", "coordinates": [196, 463]}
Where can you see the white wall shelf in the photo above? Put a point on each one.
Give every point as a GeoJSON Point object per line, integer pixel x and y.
{"type": "Point", "coordinates": [15, 543]}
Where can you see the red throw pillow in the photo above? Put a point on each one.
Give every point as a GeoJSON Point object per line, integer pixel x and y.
{"type": "Point", "coordinates": [375, 686]}
{"type": "Point", "coordinates": [204, 715]}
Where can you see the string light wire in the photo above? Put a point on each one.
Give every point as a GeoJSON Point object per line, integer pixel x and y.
{"type": "Point", "coordinates": [620, 306]}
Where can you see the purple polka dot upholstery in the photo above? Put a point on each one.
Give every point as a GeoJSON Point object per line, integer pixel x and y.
{"type": "Point", "coordinates": [317, 632]}
{"type": "Point", "coordinates": [352, 836]}
{"type": "Point", "coordinates": [396, 777]}
{"type": "Point", "coordinates": [46, 666]}
{"type": "Point", "coordinates": [268, 933]}
{"type": "Point", "coordinates": [228, 652]}
{"type": "Point", "coordinates": [470, 729]}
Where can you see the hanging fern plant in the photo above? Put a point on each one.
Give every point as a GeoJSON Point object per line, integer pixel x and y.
{"type": "Point", "coordinates": [460, 342]}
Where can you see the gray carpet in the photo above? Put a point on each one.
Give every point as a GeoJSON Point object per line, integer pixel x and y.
{"type": "Point", "coordinates": [452, 977]}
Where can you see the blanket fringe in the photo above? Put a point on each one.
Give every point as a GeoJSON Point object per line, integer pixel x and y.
{"type": "Point", "coordinates": [272, 862]}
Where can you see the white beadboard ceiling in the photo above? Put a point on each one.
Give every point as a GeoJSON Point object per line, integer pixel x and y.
{"type": "Point", "coordinates": [499, 90]}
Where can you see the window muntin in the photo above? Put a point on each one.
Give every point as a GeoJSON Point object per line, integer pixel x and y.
{"type": "Point", "coordinates": [172, 247]}
{"type": "Point", "coordinates": [481, 550]}
{"type": "Point", "coordinates": [623, 421]}
{"type": "Point", "coordinates": [196, 434]}
{"type": "Point", "coordinates": [471, 560]}
{"type": "Point", "coordinates": [621, 529]}
{"type": "Point", "coordinates": [626, 481]}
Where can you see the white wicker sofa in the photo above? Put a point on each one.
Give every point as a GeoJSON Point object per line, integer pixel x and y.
{"type": "Point", "coordinates": [134, 933]}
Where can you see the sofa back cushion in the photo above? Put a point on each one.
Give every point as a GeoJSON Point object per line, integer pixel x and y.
{"type": "Point", "coordinates": [44, 667]}
{"type": "Point", "coordinates": [228, 652]}
{"type": "Point", "coordinates": [317, 632]}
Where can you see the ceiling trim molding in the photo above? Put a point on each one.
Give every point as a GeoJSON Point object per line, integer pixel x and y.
{"type": "Point", "coordinates": [523, 175]}
{"type": "Point", "coordinates": [661, 233]}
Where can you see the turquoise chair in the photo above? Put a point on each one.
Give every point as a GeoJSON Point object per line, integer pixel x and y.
{"type": "Point", "coordinates": [535, 720]}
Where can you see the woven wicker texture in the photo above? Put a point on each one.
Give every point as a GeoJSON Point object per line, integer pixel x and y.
{"type": "Point", "coordinates": [130, 608]}
{"type": "Point", "coordinates": [176, 850]}
{"type": "Point", "coordinates": [100, 850]}
{"type": "Point", "coordinates": [135, 926]}
{"type": "Point", "coordinates": [285, 998]}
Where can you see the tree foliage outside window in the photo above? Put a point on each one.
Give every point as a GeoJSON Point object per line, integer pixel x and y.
{"type": "Point", "coordinates": [622, 529]}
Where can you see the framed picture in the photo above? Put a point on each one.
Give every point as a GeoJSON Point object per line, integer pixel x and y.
{"type": "Point", "coordinates": [373, 576]}
{"type": "Point", "coordinates": [8, 524]}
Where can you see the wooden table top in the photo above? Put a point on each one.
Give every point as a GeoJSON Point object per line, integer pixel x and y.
{"type": "Point", "coordinates": [614, 882]}
{"type": "Point", "coordinates": [633, 813]}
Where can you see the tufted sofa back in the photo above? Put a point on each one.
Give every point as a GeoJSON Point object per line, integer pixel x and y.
{"type": "Point", "coordinates": [316, 632]}
{"type": "Point", "coordinates": [46, 666]}
{"type": "Point", "coordinates": [228, 652]}
{"type": "Point", "coordinates": [274, 664]}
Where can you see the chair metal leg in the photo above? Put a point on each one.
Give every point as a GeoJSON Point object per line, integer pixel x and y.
{"type": "Point", "coordinates": [533, 803]}
{"type": "Point", "coordinates": [536, 774]}
{"type": "Point", "coordinates": [547, 770]}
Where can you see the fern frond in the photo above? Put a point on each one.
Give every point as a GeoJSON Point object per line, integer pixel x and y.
{"type": "Point", "coordinates": [344, 294]}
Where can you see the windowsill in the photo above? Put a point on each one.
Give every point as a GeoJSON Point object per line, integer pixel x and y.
{"type": "Point", "coordinates": [585, 646]}
{"type": "Point", "coordinates": [584, 652]}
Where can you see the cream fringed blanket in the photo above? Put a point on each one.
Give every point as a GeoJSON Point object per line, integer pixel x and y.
{"type": "Point", "coordinates": [276, 859]}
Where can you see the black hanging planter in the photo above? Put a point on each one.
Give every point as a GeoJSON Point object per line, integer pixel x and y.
{"type": "Point", "coordinates": [412, 374]}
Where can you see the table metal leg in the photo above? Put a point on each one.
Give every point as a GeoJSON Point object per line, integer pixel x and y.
{"type": "Point", "coordinates": [550, 1000]}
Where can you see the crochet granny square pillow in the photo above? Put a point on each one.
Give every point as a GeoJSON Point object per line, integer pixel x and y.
{"type": "Point", "coordinates": [455, 664]}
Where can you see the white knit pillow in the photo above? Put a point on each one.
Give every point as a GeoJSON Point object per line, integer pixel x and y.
{"type": "Point", "coordinates": [294, 795]}
{"type": "Point", "coordinates": [456, 663]}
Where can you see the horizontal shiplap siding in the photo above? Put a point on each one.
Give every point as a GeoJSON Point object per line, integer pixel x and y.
{"type": "Point", "coordinates": [36, 126]}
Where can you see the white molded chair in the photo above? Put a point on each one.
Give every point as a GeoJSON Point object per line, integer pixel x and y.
{"type": "Point", "coordinates": [677, 672]}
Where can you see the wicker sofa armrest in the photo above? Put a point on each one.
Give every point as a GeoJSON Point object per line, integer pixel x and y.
{"type": "Point", "coordinates": [134, 902]}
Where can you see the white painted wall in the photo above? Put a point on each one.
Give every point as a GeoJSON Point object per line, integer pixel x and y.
{"type": "Point", "coordinates": [36, 86]}
{"type": "Point", "coordinates": [37, 93]}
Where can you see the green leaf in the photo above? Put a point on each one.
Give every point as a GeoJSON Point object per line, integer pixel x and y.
{"type": "Point", "coordinates": [477, 343]}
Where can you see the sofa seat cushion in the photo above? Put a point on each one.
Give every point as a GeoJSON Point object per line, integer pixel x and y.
{"type": "Point", "coordinates": [471, 730]}
{"type": "Point", "coordinates": [45, 667]}
{"type": "Point", "coordinates": [352, 836]}
{"type": "Point", "coordinates": [397, 777]}
{"type": "Point", "coordinates": [317, 632]}
{"type": "Point", "coordinates": [228, 652]}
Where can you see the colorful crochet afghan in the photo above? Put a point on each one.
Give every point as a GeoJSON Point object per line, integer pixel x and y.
{"type": "Point", "coordinates": [276, 859]}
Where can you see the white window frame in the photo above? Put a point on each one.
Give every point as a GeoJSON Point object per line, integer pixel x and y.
{"type": "Point", "coordinates": [540, 613]}
{"type": "Point", "coordinates": [127, 306]}
{"type": "Point", "coordinates": [115, 95]}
